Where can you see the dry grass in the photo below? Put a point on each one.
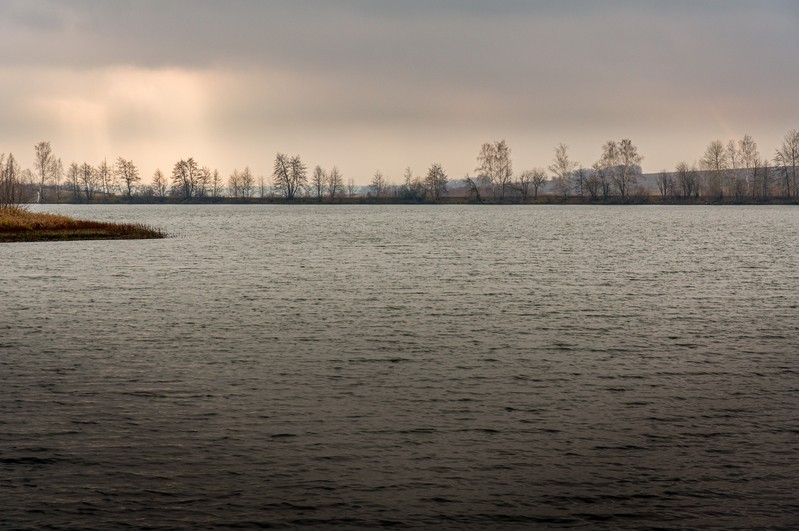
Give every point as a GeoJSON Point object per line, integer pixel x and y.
{"type": "Point", "coordinates": [18, 225]}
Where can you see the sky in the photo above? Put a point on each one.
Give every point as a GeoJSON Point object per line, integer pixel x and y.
{"type": "Point", "coordinates": [383, 85]}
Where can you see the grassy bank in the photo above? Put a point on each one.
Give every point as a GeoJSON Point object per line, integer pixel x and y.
{"type": "Point", "coordinates": [17, 225]}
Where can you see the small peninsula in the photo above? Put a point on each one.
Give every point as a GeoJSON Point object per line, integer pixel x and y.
{"type": "Point", "coordinates": [19, 225]}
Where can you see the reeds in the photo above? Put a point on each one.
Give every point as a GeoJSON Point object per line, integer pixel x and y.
{"type": "Point", "coordinates": [18, 225]}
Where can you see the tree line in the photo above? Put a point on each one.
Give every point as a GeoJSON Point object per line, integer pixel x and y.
{"type": "Point", "coordinates": [735, 171]}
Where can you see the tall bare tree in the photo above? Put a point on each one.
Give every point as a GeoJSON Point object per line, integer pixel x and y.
{"type": "Point", "coordinates": [216, 186]}
{"type": "Point", "coordinates": [159, 184]}
{"type": "Point", "coordinates": [688, 181]}
{"type": "Point", "coordinates": [534, 179]}
{"type": "Point", "coordinates": [579, 176]}
{"type": "Point", "coordinates": [593, 183]}
{"type": "Point", "coordinates": [378, 185]}
{"type": "Point", "coordinates": [43, 162]}
{"type": "Point", "coordinates": [128, 175]}
{"type": "Point", "coordinates": [474, 186]}
{"type": "Point", "coordinates": [318, 182]}
{"type": "Point", "coordinates": [665, 182]}
{"type": "Point", "coordinates": [622, 162]}
{"type": "Point", "coordinates": [763, 178]}
{"type": "Point", "coordinates": [629, 167]}
{"type": "Point", "coordinates": [204, 178]}
{"type": "Point", "coordinates": [413, 189]}
{"type": "Point", "coordinates": [247, 183]}
{"type": "Point", "coordinates": [562, 167]}
{"type": "Point", "coordinates": [289, 176]}
{"type": "Point", "coordinates": [786, 159]}
{"type": "Point", "coordinates": [523, 184]}
{"type": "Point", "coordinates": [12, 189]}
{"type": "Point", "coordinates": [733, 181]}
{"type": "Point", "coordinates": [88, 180]}
{"type": "Point", "coordinates": [733, 155]}
{"type": "Point", "coordinates": [105, 177]}
{"type": "Point", "coordinates": [436, 181]}
{"type": "Point", "coordinates": [714, 163]}
{"type": "Point", "coordinates": [57, 173]}
{"type": "Point", "coordinates": [73, 180]}
{"type": "Point", "coordinates": [233, 184]}
{"type": "Point", "coordinates": [335, 184]}
{"type": "Point", "coordinates": [352, 189]}
{"type": "Point", "coordinates": [185, 178]}
{"type": "Point", "coordinates": [748, 158]}
{"type": "Point", "coordinates": [494, 162]}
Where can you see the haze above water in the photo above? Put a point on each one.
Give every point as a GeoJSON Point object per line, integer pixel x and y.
{"type": "Point", "coordinates": [416, 366]}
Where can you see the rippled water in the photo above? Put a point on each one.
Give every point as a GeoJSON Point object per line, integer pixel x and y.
{"type": "Point", "coordinates": [430, 366]}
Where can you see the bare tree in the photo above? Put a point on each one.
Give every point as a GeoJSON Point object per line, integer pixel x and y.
{"type": "Point", "coordinates": [105, 177]}
{"type": "Point", "coordinates": [623, 163]}
{"type": "Point", "coordinates": [57, 173]}
{"type": "Point", "coordinates": [593, 183]}
{"type": "Point", "coordinates": [474, 185]}
{"type": "Point", "coordinates": [579, 177]}
{"type": "Point", "coordinates": [204, 178]}
{"type": "Point", "coordinates": [733, 155]}
{"type": "Point", "coordinates": [12, 189]}
{"type": "Point", "coordinates": [43, 162]}
{"type": "Point", "coordinates": [486, 164]}
{"type": "Point", "coordinates": [216, 185]}
{"type": "Point", "coordinates": [504, 166]}
{"type": "Point", "coordinates": [562, 167]}
{"type": "Point", "coordinates": [534, 179]}
{"type": "Point", "coordinates": [289, 176]}
{"type": "Point", "coordinates": [749, 157]}
{"type": "Point", "coordinates": [665, 182]}
{"type": "Point", "coordinates": [436, 181]}
{"type": "Point", "coordinates": [407, 177]}
{"type": "Point", "coordinates": [128, 174]}
{"type": "Point", "coordinates": [335, 184]}
{"type": "Point", "coordinates": [88, 180]}
{"type": "Point", "coordinates": [787, 159]}
{"type": "Point", "coordinates": [494, 162]}
{"type": "Point", "coordinates": [523, 184]}
{"type": "Point", "coordinates": [412, 189]}
{"type": "Point", "coordinates": [185, 178]}
{"type": "Point", "coordinates": [352, 190]}
{"type": "Point", "coordinates": [241, 184]}
{"type": "Point", "coordinates": [378, 184]}
{"type": "Point", "coordinates": [688, 181]}
{"type": "Point", "coordinates": [318, 180]}
{"type": "Point", "coordinates": [247, 183]}
{"type": "Point", "coordinates": [233, 184]}
{"type": "Point", "coordinates": [539, 178]}
{"type": "Point", "coordinates": [763, 178]}
{"type": "Point", "coordinates": [714, 163]}
{"type": "Point", "coordinates": [733, 181]}
{"type": "Point", "coordinates": [159, 185]}
{"type": "Point", "coordinates": [73, 180]}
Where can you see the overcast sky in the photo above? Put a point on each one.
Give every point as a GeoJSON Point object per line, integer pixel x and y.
{"type": "Point", "coordinates": [385, 84]}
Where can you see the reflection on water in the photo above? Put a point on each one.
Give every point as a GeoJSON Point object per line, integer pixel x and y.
{"type": "Point", "coordinates": [463, 367]}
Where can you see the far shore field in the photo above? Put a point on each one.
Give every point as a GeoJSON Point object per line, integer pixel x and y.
{"type": "Point", "coordinates": [19, 225]}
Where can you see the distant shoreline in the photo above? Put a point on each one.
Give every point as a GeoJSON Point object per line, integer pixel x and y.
{"type": "Point", "coordinates": [360, 200]}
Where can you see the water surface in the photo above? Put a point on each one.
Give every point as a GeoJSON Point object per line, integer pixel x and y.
{"type": "Point", "coordinates": [414, 366]}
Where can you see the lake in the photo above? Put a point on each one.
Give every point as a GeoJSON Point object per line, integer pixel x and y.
{"type": "Point", "coordinates": [462, 367]}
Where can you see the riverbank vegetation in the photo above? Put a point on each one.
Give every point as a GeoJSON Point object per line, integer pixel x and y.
{"type": "Point", "coordinates": [731, 172]}
{"type": "Point", "coordinates": [19, 225]}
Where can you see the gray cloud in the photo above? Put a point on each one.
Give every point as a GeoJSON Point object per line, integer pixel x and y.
{"type": "Point", "coordinates": [566, 70]}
